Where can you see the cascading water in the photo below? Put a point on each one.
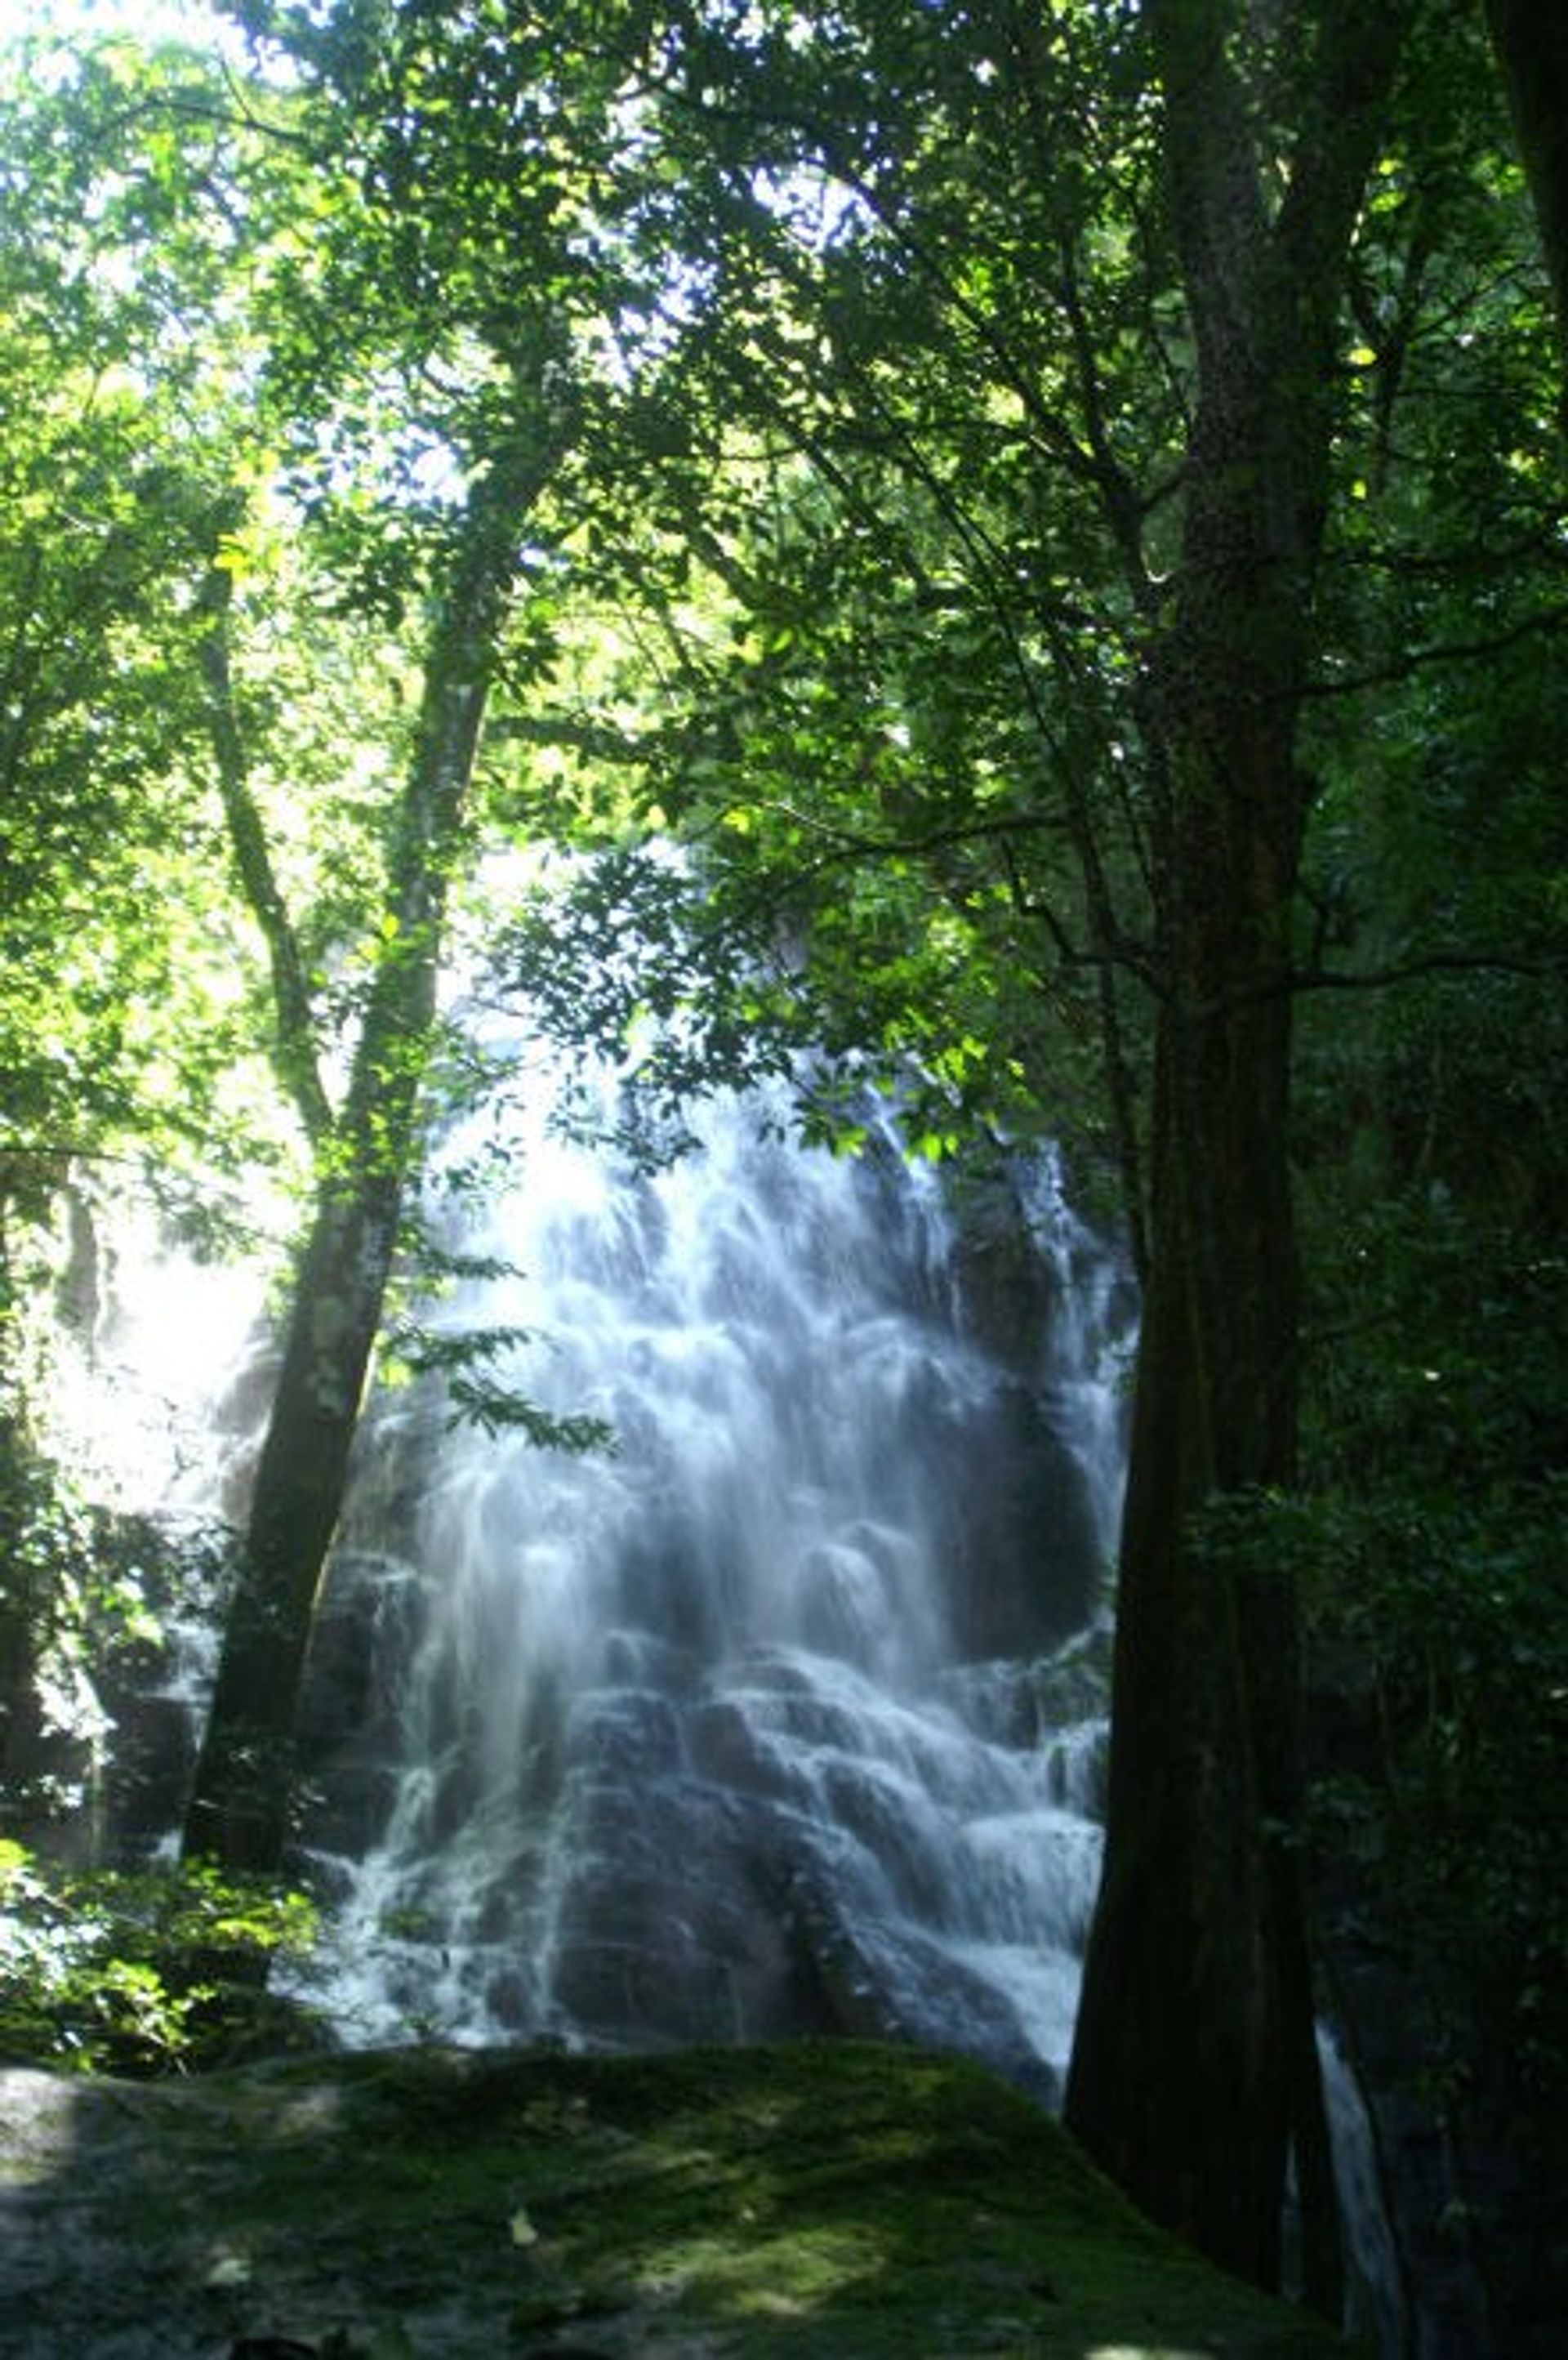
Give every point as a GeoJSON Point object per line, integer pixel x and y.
{"type": "Point", "coordinates": [789, 1715]}
{"type": "Point", "coordinates": [755, 1725]}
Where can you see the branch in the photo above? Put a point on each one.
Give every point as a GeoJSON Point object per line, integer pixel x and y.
{"type": "Point", "coordinates": [1380, 978]}
{"type": "Point", "coordinates": [850, 844]}
{"type": "Point", "coordinates": [1289, 981]}
{"type": "Point", "coordinates": [599, 740]}
{"type": "Point", "coordinates": [294, 1050]}
{"type": "Point", "coordinates": [240, 117]}
{"type": "Point", "coordinates": [1549, 618]}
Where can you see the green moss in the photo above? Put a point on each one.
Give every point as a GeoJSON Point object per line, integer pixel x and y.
{"type": "Point", "coordinates": [828, 2198]}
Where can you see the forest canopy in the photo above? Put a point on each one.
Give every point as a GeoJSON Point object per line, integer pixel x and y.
{"type": "Point", "coordinates": [1020, 552]}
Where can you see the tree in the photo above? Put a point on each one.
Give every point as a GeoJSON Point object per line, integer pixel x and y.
{"type": "Point", "coordinates": [1193, 2074]}
{"type": "Point", "coordinates": [474, 249]}
{"type": "Point", "coordinates": [419, 256]}
{"type": "Point", "coordinates": [124, 1056]}
{"type": "Point", "coordinates": [110, 1020]}
{"type": "Point", "coordinates": [1005, 460]}
{"type": "Point", "coordinates": [240, 1803]}
{"type": "Point", "coordinates": [1532, 42]}
{"type": "Point", "coordinates": [1430, 1149]}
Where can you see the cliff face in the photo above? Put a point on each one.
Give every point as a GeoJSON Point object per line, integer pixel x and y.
{"type": "Point", "coordinates": [829, 2199]}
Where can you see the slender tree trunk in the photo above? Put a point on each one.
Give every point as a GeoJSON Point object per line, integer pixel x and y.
{"type": "Point", "coordinates": [1194, 2073]}
{"type": "Point", "coordinates": [294, 1044]}
{"type": "Point", "coordinates": [240, 1806]}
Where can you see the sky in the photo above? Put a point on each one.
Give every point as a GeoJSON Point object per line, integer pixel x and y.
{"type": "Point", "coordinates": [154, 19]}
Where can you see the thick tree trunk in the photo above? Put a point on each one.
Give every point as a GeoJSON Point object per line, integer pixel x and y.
{"type": "Point", "coordinates": [1530, 38]}
{"type": "Point", "coordinates": [1194, 2074]}
{"type": "Point", "coordinates": [240, 1806]}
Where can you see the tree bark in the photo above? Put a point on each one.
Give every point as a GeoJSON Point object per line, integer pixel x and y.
{"type": "Point", "coordinates": [239, 1812]}
{"type": "Point", "coordinates": [1530, 38]}
{"type": "Point", "coordinates": [294, 1043]}
{"type": "Point", "coordinates": [1194, 2073]}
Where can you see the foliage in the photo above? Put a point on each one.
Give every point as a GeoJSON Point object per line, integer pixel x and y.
{"type": "Point", "coordinates": [1427, 1546]}
{"type": "Point", "coordinates": [121, 1032]}
{"type": "Point", "coordinates": [860, 380]}
{"type": "Point", "coordinates": [877, 586]}
{"type": "Point", "coordinates": [465, 1360]}
{"type": "Point", "coordinates": [1431, 1059]}
{"type": "Point", "coordinates": [1439, 1606]}
{"type": "Point", "coordinates": [133, 1973]}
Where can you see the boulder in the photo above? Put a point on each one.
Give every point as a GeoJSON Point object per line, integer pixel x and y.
{"type": "Point", "coordinates": [826, 2198]}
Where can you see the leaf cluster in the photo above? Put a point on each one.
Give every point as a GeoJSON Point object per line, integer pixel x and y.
{"type": "Point", "coordinates": [463, 1361]}
{"type": "Point", "coordinates": [1429, 1551]}
{"type": "Point", "coordinates": [118, 1971]}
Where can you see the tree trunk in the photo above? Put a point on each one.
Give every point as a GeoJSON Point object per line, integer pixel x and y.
{"type": "Point", "coordinates": [1194, 2067]}
{"type": "Point", "coordinates": [240, 1806]}
{"type": "Point", "coordinates": [1194, 2072]}
{"type": "Point", "coordinates": [1530, 38]}
{"type": "Point", "coordinates": [294, 1043]}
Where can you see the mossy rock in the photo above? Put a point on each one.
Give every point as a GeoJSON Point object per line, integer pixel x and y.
{"type": "Point", "coordinates": [832, 2198]}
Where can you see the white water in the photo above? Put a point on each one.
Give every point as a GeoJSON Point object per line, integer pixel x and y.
{"type": "Point", "coordinates": [709, 1738]}
{"type": "Point", "coordinates": [151, 1343]}
{"type": "Point", "coordinates": [705, 1740]}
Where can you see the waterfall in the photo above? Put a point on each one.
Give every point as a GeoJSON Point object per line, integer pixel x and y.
{"type": "Point", "coordinates": [775, 1717]}
{"type": "Point", "coordinates": [787, 1715]}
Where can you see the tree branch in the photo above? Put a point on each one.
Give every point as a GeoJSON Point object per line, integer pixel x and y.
{"type": "Point", "coordinates": [1549, 618]}
{"type": "Point", "coordinates": [1430, 963]}
{"type": "Point", "coordinates": [294, 1046]}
